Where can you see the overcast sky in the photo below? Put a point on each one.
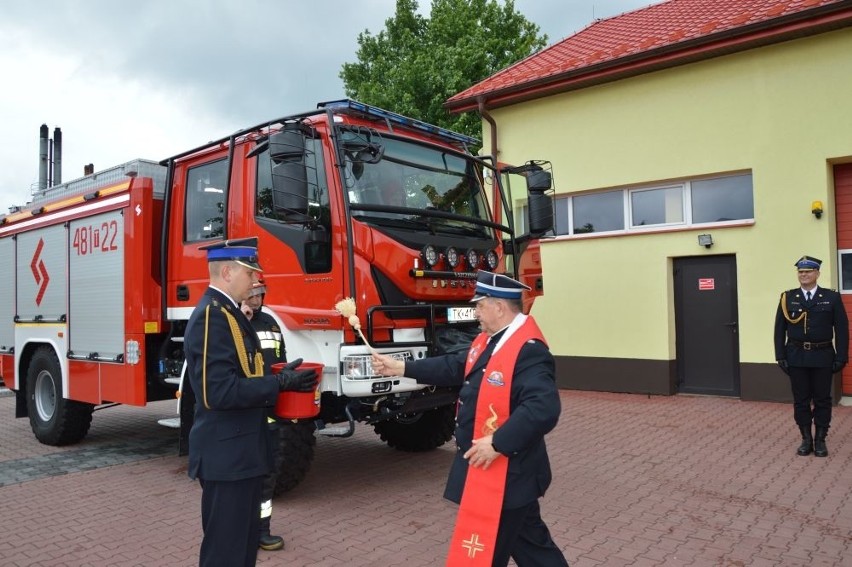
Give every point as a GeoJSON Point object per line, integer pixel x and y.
{"type": "Point", "coordinates": [149, 79]}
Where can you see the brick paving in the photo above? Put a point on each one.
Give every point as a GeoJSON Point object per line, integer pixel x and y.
{"type": "Point", "coordinates": [639, 481]}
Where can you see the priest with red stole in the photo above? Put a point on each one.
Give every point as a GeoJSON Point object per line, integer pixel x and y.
{"type": "Point", "coordinates": [507, 403]}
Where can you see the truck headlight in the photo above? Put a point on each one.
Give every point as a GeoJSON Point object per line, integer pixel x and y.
{"type": "Point", "coordinates": [360, 367]}
{"type": "Point", "coordinates": [491, 260]}
{"type": "Point", "coordinates": [430, 255]}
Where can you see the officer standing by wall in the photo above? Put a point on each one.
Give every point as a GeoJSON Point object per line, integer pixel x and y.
{"type": "Point", "coordinates": [807, 319]}
{"type": "Point", "coordinates": [507, 403]}
{"type": "Point", "coordinates": [273, 351]}
{"type": "Point", "coordinates": [228, 442]}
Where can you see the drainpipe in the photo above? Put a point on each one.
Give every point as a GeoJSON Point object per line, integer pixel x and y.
{"type": "Point", "coordinates": [495, 195]}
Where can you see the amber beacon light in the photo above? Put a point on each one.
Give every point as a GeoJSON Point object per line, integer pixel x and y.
{"type": "Point", "coordinates": [816, 208]}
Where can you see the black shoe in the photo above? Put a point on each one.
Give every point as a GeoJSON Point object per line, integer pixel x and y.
{"type": "Point", "coordinates": [820, 450]}
{"type": "Point", "coordinates": [271, 542]}
{"type": "Point", "coordinates": [807, 446]}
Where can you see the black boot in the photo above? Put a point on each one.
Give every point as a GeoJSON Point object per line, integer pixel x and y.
{"type": "Point", "coordinates": [807, 446]}
{"type": "Point", "coordinates": [820, 450]}
{"type": "Point", "coordinates": [269, 542]}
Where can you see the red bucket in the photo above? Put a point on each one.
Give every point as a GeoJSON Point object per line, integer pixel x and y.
{"type": "Point", "coordinates": [296, 405]}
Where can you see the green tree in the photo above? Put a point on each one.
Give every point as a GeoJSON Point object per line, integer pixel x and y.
{"type": "Point", "coordinates": [415, 64]}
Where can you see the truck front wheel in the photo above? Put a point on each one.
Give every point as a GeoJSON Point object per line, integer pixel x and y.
{"type": "Point", "coordinates": [54, 419]}
{"type": "Point", "coordinates": [294, 454]}
{"type": "Point", "coordinates": [419, 432]}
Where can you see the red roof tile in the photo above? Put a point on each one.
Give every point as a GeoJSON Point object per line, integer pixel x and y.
{"type": "Point", "coordinates": [656, 28]}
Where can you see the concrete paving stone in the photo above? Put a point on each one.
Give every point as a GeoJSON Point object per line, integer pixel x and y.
{"type": "Point", "coordinates": [646, 463]}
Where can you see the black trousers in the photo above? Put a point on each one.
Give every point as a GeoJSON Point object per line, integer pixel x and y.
{"type": "Point", "coordinates": [271, 479]}
{"type": "Point", "coordinates": [230, 522]}
{"type": "Point", "coordinates": [524, 537]}
{"type": "Point", "coordinates": [811, 386]}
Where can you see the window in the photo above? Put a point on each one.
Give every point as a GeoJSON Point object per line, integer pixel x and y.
{"type": "Point", "coordinates": [845, 270]}
{"type": "Point", "coordinates": [206, 195]}
{"type": "Point", "coordinates": [598, 212]}
{"type": "Point", "coordinates": [722, 199]}
{"type": "Point", "coordinates": [656, 206]}
{"type": "Point", "coordinates": [690, 203]}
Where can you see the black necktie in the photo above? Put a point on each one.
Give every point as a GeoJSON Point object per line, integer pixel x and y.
{"type": "Point", "coordinates": [808, 295]}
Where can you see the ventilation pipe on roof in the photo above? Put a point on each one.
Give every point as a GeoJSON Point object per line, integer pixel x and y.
{"type": "Point", "coordinates": [495, 196]}
{"type": "Point", "coordinates": [57, 157]}
{"type": "Point", "coordinates": [42, 157]}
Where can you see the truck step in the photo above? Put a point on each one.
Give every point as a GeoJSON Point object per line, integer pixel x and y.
{"type": "Point", "coordinates": [338, 431]}
{"type": "Point", "coordinates": [170, 422]}
{"type": "Point", "coordinates": [172, 380]}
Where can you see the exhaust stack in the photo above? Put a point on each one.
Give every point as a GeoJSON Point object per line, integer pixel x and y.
{"type": "Point", "coordinates": [56, 178]}
{"type": "Point", "coordinates": [43, 159]}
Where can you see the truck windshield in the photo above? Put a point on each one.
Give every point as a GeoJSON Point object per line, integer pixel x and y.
{"type": "Point", "coordinates": [411, 178]}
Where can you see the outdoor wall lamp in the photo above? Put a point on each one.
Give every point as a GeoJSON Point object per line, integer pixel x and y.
{"type": "Point", "coordinates": [816, 208]}
{"type": "Point", "coordinates": [705, 240]}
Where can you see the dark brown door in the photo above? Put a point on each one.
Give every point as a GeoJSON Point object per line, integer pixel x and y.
{"type": "Point", "coordinates": [706, 325]}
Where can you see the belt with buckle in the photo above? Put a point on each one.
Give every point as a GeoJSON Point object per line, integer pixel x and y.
{"type": "Point", "coordinates": [811, 345]}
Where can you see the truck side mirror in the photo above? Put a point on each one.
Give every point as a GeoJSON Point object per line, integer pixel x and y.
{"type": "Point", "coordinates": [539, 204]}
{"type": "Point", "coordinates": [289, 172]}
{"type": "Point", "coordinates": [287, 145]}
{"type": "Point", "coordinates": [290, 187]}
{"type": "Point", "coordinates": [540, 209]}
{"type": "Point", "coordinates": [539, 180]}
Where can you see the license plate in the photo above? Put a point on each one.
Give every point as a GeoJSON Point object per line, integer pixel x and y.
{"type": "Point", "coordinates": [460, 314]}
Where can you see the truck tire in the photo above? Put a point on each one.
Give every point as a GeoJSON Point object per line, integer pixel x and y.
{"type": "Point", "coordinates": [53, 419]}
{"type": "Point", "coordinates": [419, 432]}
{"type": "Point", "coordinates": [295, 453]}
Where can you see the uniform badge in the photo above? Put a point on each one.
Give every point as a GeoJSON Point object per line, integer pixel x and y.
{"type": "Point", "coordinates": [495, 379]}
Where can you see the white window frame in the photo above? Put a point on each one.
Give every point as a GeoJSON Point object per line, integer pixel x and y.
{"type": "Point", "coordinates": [840, 254]}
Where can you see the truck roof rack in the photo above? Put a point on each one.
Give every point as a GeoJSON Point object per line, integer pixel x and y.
{"type": "Point", "coordinates": [109, 176]}
{"type": "Point", "coordinates": [347, 105]}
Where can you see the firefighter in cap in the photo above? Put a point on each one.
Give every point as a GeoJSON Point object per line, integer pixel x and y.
{"type": "Point", "coordinates": [811, 344]}
{"type": "Point", "coordinates": [507, 403]}
{"type": "Point", "coordinates": [229, 439]}
{"type": "Point", "coordinates": [272, 349]}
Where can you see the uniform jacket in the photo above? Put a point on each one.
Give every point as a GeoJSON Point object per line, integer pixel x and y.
{"type": "Point", "coordinates": [534, 410]}
{"type": "Point", "coordinates": [229, 439]}
{"type": "Point", "coordinates": [826, 320]}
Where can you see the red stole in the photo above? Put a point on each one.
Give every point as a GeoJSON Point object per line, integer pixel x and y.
{"type": "Point", "coordinates": [475, 534]}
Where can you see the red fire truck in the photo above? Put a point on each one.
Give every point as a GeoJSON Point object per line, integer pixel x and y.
{"type": "Point", "coordinates": [347, 200]}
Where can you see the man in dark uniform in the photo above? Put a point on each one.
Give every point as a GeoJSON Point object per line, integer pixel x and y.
{"type": "Point", "coordinates": [507, 403]}
{"type": "Point", "coordinates": [228, 442]}
{"type": "Point", "coordinates": [272, 349]}
{"type": "Point", "coordinates": [807, 320]}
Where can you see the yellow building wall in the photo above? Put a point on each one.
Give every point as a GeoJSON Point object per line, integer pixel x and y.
{"type": "Point", "coordinates": [782, 112]}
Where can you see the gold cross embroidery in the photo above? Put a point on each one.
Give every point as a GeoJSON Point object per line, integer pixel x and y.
{"type": "Point", "coordinates": [472, 545]}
